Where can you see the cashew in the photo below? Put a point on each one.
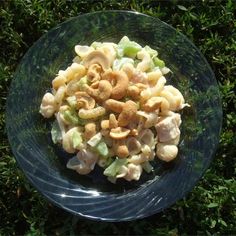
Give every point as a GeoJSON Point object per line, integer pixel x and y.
{"type": "Point", "coordinates": [102, 93]}
{"type": "Point", "coordinates": [133, 92]}
{"type": "Point", "coordinates": [152, 104]}
{"type": "Point", "coordinates": [92, 113]}
{"type": "Point", "coordinates": [128, 112]}
{"type": "Point", "coordinates": [84, 100]}
{"type": "Point", "coordinates": [113, 123]}
{"type": "Point", "coordinates": [94, 71]}
{"type": "Point", "coordinates": [48, 105]}
{"type": "Point", "coordinates": [114, 105]}
{"type": "Point", "coordinates": [121, 149]}
{"type": "Point", "coordinates": [90, 130]}
{"type": "Point", "coordinates": [166, 152]}
{"type": "Point", "coordinates": [97, 57]}
{"type": "Point", "coordinates": [105, 124]}
{"type": "Point", "coordinates": [121, 81]}
{"type": "Point", "coordinates": [119, 133]}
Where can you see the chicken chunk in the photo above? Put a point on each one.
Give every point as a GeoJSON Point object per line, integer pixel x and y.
{"type": "Point", "coordinates": [168, 128]}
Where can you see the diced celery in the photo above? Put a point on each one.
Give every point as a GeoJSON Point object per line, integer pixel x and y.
{"type": "Point", "coordinates": [158, 62]}
{"type": "Point", "coordinates": [72, 101]}
{"type": "Point", "coordinates": [82, 82]}
{"type": "Point", "coordinates": [72, 117]}
{"type": "Point", "coordinates": [128, 48]}
{"type": "Point", "coordinates": [113, 169]}
{"type": "Point", "coordinates": [76, 139]}
{"type": "Point", "coordinates": [56, 132]}
{"type": "Point", "coordinates": [118, 63]}
{"type": "Point", "coordinates": [147, 166]}
{"type": "Point", "coordinates": [95, 140]}
{"type": "Point", "coordinates": [152, 52]}
{"type": "Point", "coordinates": [102, 149]}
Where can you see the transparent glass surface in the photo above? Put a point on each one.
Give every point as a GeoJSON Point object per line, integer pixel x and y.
{"type": "Point", "coordinates": [93, 196]}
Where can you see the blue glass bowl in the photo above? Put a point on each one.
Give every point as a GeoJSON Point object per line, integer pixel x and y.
{"type": "Point", "coordinates": [93, 196]}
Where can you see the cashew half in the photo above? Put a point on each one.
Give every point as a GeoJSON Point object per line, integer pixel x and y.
{"type": "Point", "coordinates": [113, 123]}
{"type": "Point", "coordinates": [121, 149]}
{"type": "Point", "coordinates": [102, 93]}
{"type": "Point", "coordinates": [119, 133]}
{"type": "Point", "coordinates": [121, 81]}
{"type": "Point", "coordinates": [152, 104]}
{"type": "Point", "coordinates": [113, 105]}
{"type": "Point", "coordinates": [89, 130]}
{"type": "Point", "coordinates": [133, 92]}
{"type": "Point", "coordinates": [127, 114]}
{"type": "Point", "coordinates": [97, 57]}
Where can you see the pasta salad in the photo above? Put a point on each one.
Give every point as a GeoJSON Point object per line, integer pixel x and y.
{"type": "Point", "coordinates": [112, 108]}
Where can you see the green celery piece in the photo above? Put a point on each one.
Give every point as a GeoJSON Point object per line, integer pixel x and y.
{"type": "Point", "coordinates": [158, 62]}
{"type": "Point", "coordinates": [113, 169]}
{"type": "Point", "coordinates": [72, 117]}
{"type": "Point", "coordinates": [128, 48]}
{"type": "Point", "coordinates": [102, 149]}
{"type": "Point", "coordinates": [76, 139]}
{"type": "Point", "coordinates": [56, 132]}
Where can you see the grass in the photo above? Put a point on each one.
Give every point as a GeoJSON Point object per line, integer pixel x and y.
{"type": "Point", "coordinates": [210, 208]}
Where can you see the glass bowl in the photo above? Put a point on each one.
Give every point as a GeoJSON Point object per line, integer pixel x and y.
{"type": "Point", "coordinates": [93, 196]}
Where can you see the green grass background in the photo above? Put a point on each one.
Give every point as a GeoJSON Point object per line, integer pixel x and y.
{"type": "Point", "coordinates": [210, 208]}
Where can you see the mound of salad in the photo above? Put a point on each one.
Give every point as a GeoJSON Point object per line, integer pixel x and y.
{"type": "Point", "coordinates": [112, 108]}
